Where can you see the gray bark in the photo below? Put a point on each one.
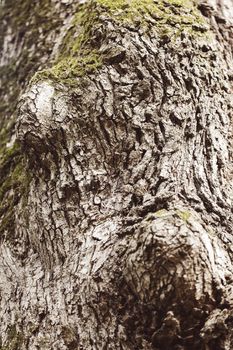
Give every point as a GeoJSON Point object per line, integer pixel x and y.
{"type": "Point", "coordinates": [116, 185]}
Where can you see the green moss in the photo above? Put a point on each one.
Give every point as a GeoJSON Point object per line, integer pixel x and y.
{"type": "Point", "coordinates": [14, 339]}
{"type": "Point", "coordinates": [164, 214]}
{"type": "Point", "coordinates": [14, 182]}
{"type": "Point", "coordinates": [184, 215]}
{"type": "Point", "coordinates": [31, 24]}
{"type": "Point", "coordinates": [170, 11]}
{"type": "Point", "coordinates": [79, 52]}
{"type": "Point", "coordinates": [68, 69]}
{"type": "Point", "coordinates": [170, 17]}
{"type": "Point", "coordinates": [160, 213]}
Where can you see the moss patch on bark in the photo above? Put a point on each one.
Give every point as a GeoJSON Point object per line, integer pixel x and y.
{"type": "Point", "coordinates": [179, 13]}
{"type": "Point", "coordinates": [14, 182]}
{"type": "Point", "coordinates": [14, 339]}
{"type": "Point", "coordinates": [79, 52]}
{"type": "Point", "coordinates": [25, 28]}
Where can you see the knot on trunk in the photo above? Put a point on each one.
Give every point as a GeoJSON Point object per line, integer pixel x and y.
{"type": "Point", "coordinates": [43, 112]}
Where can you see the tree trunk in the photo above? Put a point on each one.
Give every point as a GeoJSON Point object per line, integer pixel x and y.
{"type": "Point", "coordinates": [116, 175]}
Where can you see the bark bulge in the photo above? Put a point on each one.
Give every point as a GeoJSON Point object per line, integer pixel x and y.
{"type": "Point", "coordinates": [124, 238]}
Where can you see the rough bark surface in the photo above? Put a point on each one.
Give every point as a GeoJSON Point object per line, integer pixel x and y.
{"type": "Point", "coordinates": [116, 208]}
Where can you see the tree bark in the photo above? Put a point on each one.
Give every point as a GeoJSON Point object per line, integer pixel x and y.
{"type": "Point", "coordinates": [116, 175]}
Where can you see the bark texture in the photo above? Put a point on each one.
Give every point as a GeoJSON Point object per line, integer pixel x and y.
{"type": "Point", "coordinates": [116, 181]}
